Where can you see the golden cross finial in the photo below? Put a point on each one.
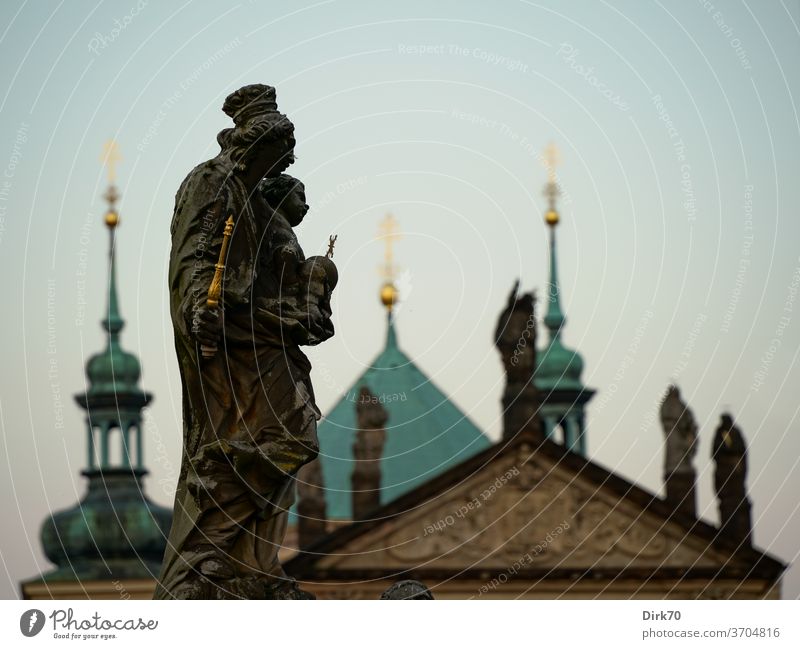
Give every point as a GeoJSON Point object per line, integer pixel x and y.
{"type": "Point", "coordinates": [389, 231]}
{"type": "Point", "coordinates": [110, 158]}
{"type": "Point", "coordinates": [551, 160]}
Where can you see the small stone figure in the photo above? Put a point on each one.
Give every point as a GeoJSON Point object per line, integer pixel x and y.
{"type": "Point", "coordinates": [407, 589]}
{"type": "Point", "coordinates": [515, 338]}
{"type": "Point", "coordinates": [680, 431]}
{"type": "Point", "coordinates": [729, 452]}
{"type": "Point", "coordinates": [296, 288]}
{"type": "Point", "coordinates": [249, 416]}
{"type": "Point", "coordinates": [371, 418]}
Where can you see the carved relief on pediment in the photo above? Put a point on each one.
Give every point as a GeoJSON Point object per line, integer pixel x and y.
{"type": "Point", "coordinates": [527, 514]}
{"type": "Point", "coordinates": [604, 532]}
{"type": "Point", "coordinates": [509, 517]}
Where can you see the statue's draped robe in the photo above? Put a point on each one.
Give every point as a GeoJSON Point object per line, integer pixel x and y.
{"type": "Point", "coordinates": [249, 415]}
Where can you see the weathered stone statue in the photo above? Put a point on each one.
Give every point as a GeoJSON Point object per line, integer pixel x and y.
{"type": "Point", "coordinates": [729, 452]}
{"type": "Point", "coordinates": [680, 433]}
{"type": "Point", "coordinates": [371, 418]}
{"type": "Point", "coordinates": [515, 338]}
{"type": "Point", "coordinates": [248, 409]}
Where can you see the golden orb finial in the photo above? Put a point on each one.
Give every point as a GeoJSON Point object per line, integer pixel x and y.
{"type": "Point", "coordinates": [389, 295]}
{"type": "Point", "coordinates": [112, 219]}
{"type": "Point", "coordinates": [110, 158]}
{"type": "Point", "coordinates": [551, 159]}
{"type": "Point", "coordinates": [389, 231]}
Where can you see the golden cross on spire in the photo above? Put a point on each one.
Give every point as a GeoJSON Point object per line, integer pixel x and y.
{"type": "Point", "coordinates": [389, 231]}
{"type": "Point", "coordinates": [110, 158]}
{"type": "Point", "coordinates": [551, 158]}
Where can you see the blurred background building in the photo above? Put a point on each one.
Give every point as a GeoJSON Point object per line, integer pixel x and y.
{"type": "Point", "coordinates": [408, 487]}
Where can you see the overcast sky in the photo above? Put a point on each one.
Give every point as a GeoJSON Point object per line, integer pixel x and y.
{"type": "Point", "coordinates": [679, 255]}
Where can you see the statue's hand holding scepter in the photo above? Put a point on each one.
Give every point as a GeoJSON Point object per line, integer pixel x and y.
{"type": "Point", "coordinates": [215, 289]}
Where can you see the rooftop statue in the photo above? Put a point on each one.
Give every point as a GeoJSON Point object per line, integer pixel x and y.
{"type": "Point", "coordinates": [680, 431]}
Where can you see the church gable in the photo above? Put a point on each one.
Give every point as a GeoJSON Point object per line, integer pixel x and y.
{"type": "Point", "coordinates": [524, 507]}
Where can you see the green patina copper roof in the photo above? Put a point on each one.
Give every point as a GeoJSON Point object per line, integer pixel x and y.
{"type": "Point", "coordinates": [114, 531]}
{"type": "Point", "coordinates": [557, 367]}
{"type": "Point", "coordinates": [425, 434]}
{"type": "Point", "coordinates": [113, 371]}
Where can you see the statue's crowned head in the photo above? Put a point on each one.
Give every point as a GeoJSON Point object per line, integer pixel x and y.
{"type": "Point", "coordinates": [261, 135]}
{"type": "Point", "coordinates": [250, 102]}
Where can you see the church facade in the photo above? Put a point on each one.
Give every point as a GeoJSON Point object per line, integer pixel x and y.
{"type": "Point", "coordinates": [530, 516]}
{"type": "Point", "coordinates": [530, 519]}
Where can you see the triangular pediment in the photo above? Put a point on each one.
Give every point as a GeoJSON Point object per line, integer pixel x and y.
{"type": "Point", "coordinates": [525, 508]}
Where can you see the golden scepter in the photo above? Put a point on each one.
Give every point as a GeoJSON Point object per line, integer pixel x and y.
{"type": "Point", "coordinates": [215, 289]}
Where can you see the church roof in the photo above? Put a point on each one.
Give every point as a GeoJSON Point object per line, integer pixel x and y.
{"type": "Point", "coordinates": [426, 433]}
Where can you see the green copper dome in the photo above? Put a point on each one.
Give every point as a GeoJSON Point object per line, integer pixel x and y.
{"type": "Point", "coordinates": [425, 433]}
{"type": "Point", "coordinates": [559, 368]}
{"type": "Point", "coordinates": [113, 370]}
{"type": "Point", "coordinates": [114, 529]}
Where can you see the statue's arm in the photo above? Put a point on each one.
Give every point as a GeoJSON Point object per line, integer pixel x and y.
{"type": "Point", "coordinates": [196, 241]}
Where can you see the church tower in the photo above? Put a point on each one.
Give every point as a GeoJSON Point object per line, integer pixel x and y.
{"type": "Point", "coordinates": [558, 368]}
{"type": "Point", "coordinates": [109, 545]}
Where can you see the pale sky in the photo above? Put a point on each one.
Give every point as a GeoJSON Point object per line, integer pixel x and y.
{"type": "Point", "coordinates": [679, 255]}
